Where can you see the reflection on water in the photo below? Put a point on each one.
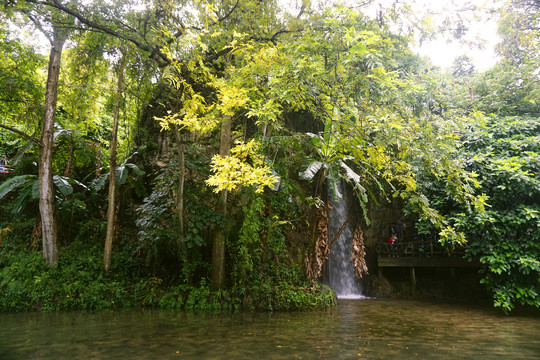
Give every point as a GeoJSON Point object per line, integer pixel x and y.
{"type": "Point", "coordinates": [369, 329]}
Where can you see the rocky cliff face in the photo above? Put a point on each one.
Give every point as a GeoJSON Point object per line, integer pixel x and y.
{"type": "Point", "coordinates": [154, 146]}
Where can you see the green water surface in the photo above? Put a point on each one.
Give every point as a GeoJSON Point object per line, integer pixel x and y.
{"type": "Point", "coordinates": [356, 329]}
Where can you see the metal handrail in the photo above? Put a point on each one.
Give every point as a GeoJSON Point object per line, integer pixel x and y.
{"type": "Point", "coordinates": [418, 248]}
{"type": "Point", "coordinates": [6, 169]}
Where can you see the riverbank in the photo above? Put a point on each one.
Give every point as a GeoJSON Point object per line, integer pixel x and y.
{"type": "Point", "coordinates": [79, 282]}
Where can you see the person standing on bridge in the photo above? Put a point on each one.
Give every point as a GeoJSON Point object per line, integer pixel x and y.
{"type": "Point", "coordinates": [393, 245]}
{"type": "Point", "coordinates": [3, 164]}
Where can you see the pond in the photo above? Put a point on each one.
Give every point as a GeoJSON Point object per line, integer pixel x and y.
{"type": "Point", "coordinates": [356, 329]}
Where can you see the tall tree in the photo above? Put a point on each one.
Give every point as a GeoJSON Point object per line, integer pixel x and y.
{"type": "Point", "coordinates": [46, 196]}
{"type": "Point", "coordinates": [111, 210]}
{"type": "Point", "coordinates": [220, 237]}
{"type": "Point", "coordinates": [235, 24]}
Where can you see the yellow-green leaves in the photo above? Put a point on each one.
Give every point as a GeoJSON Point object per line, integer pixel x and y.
{"type": "Point", "coordinates": [449, 235]}
{"type": "Point", "coordinates": [195, 116]}
{"type": "Point", "coordinates": [266, 111]}
{"type": "Point", "coordinates": [245, 166]}
{"type": "Point", "coordinates": [231, 97]}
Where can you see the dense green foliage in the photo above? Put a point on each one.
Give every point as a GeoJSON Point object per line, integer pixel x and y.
{"type": "Point", "coordinates": [21, 89]}
{"type": "Point", "coordinates": [79, 282]}
{"type": "Point", "coordinates": [504, 152]}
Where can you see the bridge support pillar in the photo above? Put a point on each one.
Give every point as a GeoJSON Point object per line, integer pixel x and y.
{"type": "Point", "coordinates": [412, 275]}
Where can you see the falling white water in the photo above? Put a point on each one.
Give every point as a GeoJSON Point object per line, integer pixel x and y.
{"type": "Point", "coordinates": [340, 270]}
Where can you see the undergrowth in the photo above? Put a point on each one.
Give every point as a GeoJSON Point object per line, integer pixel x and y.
{"type": "Point", "coordinates": [78, 282]}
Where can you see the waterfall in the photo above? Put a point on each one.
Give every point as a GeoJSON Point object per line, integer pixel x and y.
{"type": "Point", "coordinates": [340, 271]}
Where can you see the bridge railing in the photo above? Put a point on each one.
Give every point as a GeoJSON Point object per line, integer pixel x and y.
{"type": "Point", "coordinates": [419, 248]}
{"type": "Point", "coordinates": [6, 169]}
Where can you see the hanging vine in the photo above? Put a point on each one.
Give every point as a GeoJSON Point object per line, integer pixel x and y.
{"type": "Point", "coordinates": [358, 256]}
{"type": "Point", "coordinates": [314, 264]}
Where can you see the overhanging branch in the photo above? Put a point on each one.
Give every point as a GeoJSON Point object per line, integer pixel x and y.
{"type": "Point", "coordinates": [230, 12]}
{"type": "Point", "coordinates": [57, 5]}
{"type": "Point", "coordinates": [17, 131]}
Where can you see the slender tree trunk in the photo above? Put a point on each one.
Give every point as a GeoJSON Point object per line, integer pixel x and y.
{"type": "Point", "coordinates": [111, 218]}
{"type": "Point", "coordinates": [68, 171]}
{"type": "Point", "coordinates": [46, 190]}
{"type": "Point", "coordinates": [218, 246]}
{"type": "Point", "coordinates": [98, 159]}
{"type": "Point", "coordinates": [182, 250]}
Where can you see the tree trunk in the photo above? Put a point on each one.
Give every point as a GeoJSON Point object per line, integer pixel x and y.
{"type": "Point", "coordinates": [68, 171]}
{"type": "Point", "coordinates": [182, 250]}
{"type": "Point", "coordinates": [98, 159]}
{"type": "Point", "coordinates": [111, 218]}
{"type": "Point", "coordinates": [46, 190]}
{"type": "Point", "coordinates": [220, 235]}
